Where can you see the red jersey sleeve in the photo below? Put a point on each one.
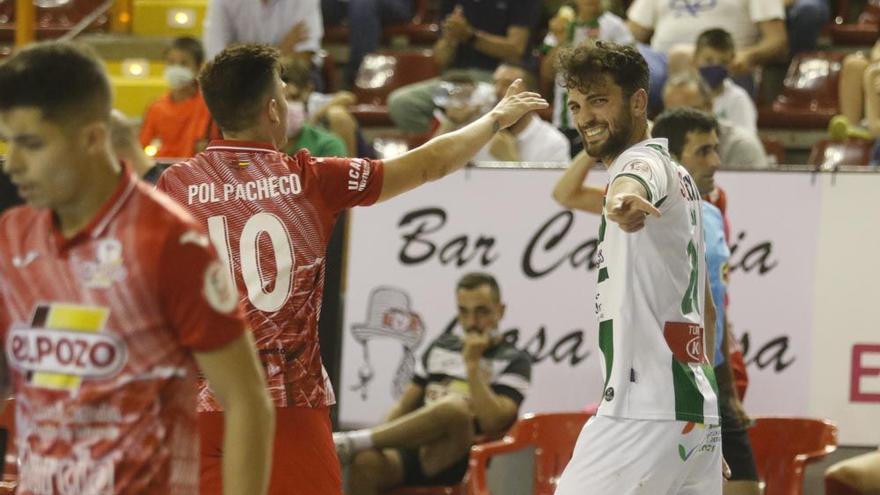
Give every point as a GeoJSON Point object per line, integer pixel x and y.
{"type": "Point", "coordinates": [199, 300]}
{"type": "Point", "coordinates": [346, 182]}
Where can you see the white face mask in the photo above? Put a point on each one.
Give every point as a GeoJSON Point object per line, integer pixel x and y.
{"type": "Point", "coordinates": [178, 76]}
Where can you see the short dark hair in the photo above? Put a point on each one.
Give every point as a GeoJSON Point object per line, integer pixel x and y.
{"type": "Point", "coordinates": [65, 81]}
{"type": "Point", "coordinates": [474, 280]}
{"type": "Point", "coordinates": [296, 71]}
{"type": "Point", "coordinates": [236, 82]}
{"type": "Point", "coordinates": [675, 124]}
{"type": "Point", "coordinates": [717, 39]}
{"type": "Point", "coordinates": [190, 45]}
{"type": "Point", "coordinates": [585, 64]}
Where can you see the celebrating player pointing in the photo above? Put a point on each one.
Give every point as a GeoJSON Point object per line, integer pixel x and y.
{"type": "Point", "coordinates": [657, 427]}
{"type": "Point", "coordinates": [270, 215]}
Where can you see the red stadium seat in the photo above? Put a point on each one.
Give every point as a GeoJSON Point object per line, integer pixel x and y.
{"type": "Point", "coordinates": [784, 446]}
{"type": "Point", "coordinates": [829, 154]}
{"type": "Point", "coordinates": [422, 29]}
{"type": "Point", "coordinates": [53, 22]}
{"type": "Point", "coordinates": [809, 96]}
{"type": "Point", "coordinates": [864, 31]}
{"type": "Point", "coordinates": [383, 72]}
{"type": "Point", "coordinates": [553, 435]}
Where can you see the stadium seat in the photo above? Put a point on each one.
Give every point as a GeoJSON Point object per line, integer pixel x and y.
{"type": "Point", "coordinates": [864, 31]}
{"type": "Point", "coordinates": [9, 480]}
{"type": "Point", "coordinates": [834, 487]}
{"type": "Point", "coordinates": [422, 29]}
{"type": "Point", "coordinates": [828, 154]}
{"type": "Point", "coordinates": [809, 95]}
{"type": "Point", "coordinates": [383, 72]}
{"type": "Point", "coordinates": [784, 446]}
{"type": "Point", "coordinates": [553, 435]}
{"type": "Point", "coordinates": [53, 21]}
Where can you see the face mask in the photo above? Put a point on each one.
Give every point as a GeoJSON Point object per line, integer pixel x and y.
{"type": "Point", "coordinates": [714, 75]}
{"type": "Point", "coordinates": [178, 76]}
{"type": "Point", "coordinates": [296, 116]}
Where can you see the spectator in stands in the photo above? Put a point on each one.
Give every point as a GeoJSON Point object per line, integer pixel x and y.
{"type": "Point", "coordinates": [293, 26]}
{"type": "Point", "coordinates": [179, 119]}
{"type": "Point", "coordinates": [530, 140]}
{"type": "Point", "coordinates": [712, 58]}
{"type": "Point", "coordinates": [804, 21]}
{"type": "Point", "coordinates": [738, 146]}
{"type": "Point", "coordinates": [859, 96]}
{"type": "Point", "coordinates": [757, 28]}
{"type": "Point", "coordinates": [469, 382]}
{"type": "Point", "coordinates": [365, 19]}
{"type": "Point", "coordinates": [126, 147]}
{"type": "Point", "coordinates": [860, 473]}
{"type": "Point", "coordinates": [477, 36]}
{"type": "Point", "coordinates": [318, 122]}
{"type": "Point", "coordinates": [591, 22]}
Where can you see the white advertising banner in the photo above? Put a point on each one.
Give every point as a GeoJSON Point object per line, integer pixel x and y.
{"type": "Point", "coordinates": [405, 256]}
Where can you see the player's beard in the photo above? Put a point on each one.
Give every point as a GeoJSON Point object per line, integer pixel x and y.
{"type": "Point", "coordinates": [619, 137]}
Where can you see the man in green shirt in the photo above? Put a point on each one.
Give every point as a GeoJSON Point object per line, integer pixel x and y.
{"type": "Point", "coordinates": [318, 141]}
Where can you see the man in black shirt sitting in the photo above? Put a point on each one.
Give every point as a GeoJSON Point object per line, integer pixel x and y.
{"type": "Point", "coordinates": [469, 382]}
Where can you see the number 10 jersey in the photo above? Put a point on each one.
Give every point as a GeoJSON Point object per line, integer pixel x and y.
{"type": "Point", "coordinates": [270, 216]}
{"type": "Point", "coordinates": [650, 299]}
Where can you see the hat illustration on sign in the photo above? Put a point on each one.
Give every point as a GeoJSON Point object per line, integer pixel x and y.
{"type": "Point", "coordinates": [389, 315]}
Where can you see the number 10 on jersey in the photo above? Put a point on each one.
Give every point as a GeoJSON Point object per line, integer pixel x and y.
{"type": "Point", "coordinates": [265, 295]}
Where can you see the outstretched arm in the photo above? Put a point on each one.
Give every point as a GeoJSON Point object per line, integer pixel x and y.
{"type": "Point", "coordinates": [447, 153]}
{"type": "Point", "coordinates": [627, 204]}
{"type": "Point", "coordinates": [571, 192]}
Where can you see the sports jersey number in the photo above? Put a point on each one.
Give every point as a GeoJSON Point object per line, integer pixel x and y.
{"type": "Point", "coordinates": [691, 301]}
{"type": "Point", "coordinates": [249, 254]}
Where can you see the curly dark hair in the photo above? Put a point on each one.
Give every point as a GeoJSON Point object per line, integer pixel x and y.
{"type": "Point", "coordinates": [237, 81]}
{"type": "Point", "coordinates": [585, 65]}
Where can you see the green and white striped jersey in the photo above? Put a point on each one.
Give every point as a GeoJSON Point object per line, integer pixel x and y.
{"type": "Point", "coordinates": [649, 299]}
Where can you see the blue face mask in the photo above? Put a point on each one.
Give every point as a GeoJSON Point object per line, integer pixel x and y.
{"type": "Point", "coordinates": [714, 75]}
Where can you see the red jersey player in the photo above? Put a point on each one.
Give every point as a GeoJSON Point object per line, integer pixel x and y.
{"type": "Point", "coordinates": [270, 215]}
{"type": "Point", "coordinates": [110, 296]}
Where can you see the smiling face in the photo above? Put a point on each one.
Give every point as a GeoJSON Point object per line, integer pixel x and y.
{"type": "Point", "coordinates": [700, 157]}
{"type": "Point", "coordinates": [41, 158]}
{"type": "Point", "coordinates": [605, 118]}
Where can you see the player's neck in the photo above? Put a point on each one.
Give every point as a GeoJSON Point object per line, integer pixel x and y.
{"type": "Point", "coordinates": [103, 179]}
{"type": "Point", "coordinates": [640, 134]}
{"type": "Point", "coordinates": [251, 135]}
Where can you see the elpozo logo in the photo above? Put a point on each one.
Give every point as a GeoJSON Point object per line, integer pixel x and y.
{"type": "Point", "coordinates": [65, 344]}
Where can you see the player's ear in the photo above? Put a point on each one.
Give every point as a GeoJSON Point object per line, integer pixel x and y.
{"type": "Point", "coordinates": [275, 108]}
{"type": "Point", "coordinates": [95, 137]}
{"type": "Point", "coordinates": [639, 102]}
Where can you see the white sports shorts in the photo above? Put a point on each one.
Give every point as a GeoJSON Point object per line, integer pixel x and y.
{"type": "Point", "coordinates": [643, 457]}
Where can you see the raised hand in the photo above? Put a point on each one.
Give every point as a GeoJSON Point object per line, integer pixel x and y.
{"type": "Point", "coordinates": [630, 211]}
{"type": "Point", "coordinates": [515, 104]}
{"type": "Point", "coordinates": [297, 34]}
